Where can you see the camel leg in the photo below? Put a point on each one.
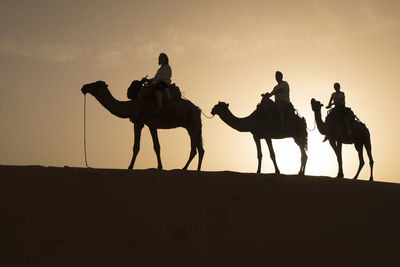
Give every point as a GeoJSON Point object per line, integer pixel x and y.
{"type": "Point", "coordinates": [340, 159]}
{"type": "Point", "coordinates": [303, 160]}
{"type": "Point", "coordinates": [199, 145]}
{"type": "Point", "coordinates": [371, 160]}
{"type": "Point", "coordinates": [259, 153]}
{"type": "Point", "coordinates": [193, 144]}
{"type": "Point", "coordinates": [303, 156]}
{"type": "Point", "coordinates": [156, 146]}
{"type": "Point", "coordinates": [136, 146]}
{"type": "Point", "coordinates": [359, 148]}
{"type": "Point", "coordinates": [200, 149]}
{"type": "Point", "coordinates": [272, 154]}
{"type": "Point", "coordinates": [337, 147]}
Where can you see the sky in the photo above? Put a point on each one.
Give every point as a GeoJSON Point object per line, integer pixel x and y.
{"type": "Point", "coordinates": [219, 51]}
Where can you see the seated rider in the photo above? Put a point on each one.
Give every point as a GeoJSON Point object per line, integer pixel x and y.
{"type": "Point", "coordinates": [161, 80]}
{"type": "Point", "coordinates": [338, 99]}
{"type": "Point", "coordinates": [281, 93]}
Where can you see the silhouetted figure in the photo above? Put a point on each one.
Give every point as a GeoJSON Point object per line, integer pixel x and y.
{"type": "Point", "coordinates": [144, 94]}
{"type": "Point", "coordinates": [281, 93]}
{"type": "Point", "coordinates": [335, 132]}
{"type": "Point", "coordinates": [182, 113]}
{"type": "Point", "coordinates": [262, 124]}
{"type": "Point", "coordinates": [340, 111]}
{"type": "Point", "coordinates": [161, 80]}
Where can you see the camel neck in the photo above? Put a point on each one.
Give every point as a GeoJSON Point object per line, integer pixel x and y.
{"type": "Point", "coordinates": [121, 109]}
{"type": "Point", "coordinates": [239, 124]}
{"type": "Point", "coordinates": [320, 123]}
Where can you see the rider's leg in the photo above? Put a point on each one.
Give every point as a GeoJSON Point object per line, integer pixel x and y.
{"type": "Point", "coordinates": [346, 121]}
{"type": "Point", "coordinates": [168, 94]}
{"type": "Point", "coordinates": [158, 95]}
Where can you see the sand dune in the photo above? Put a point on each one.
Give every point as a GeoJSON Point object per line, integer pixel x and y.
{"type": "Point", "coordinates": [96, 217]}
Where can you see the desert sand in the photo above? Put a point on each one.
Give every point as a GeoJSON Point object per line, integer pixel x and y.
{"type": "Point", "coordinates": [98, 217]}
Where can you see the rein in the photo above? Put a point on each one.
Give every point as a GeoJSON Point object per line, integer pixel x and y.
{"type": "Point", "coordinates": [208, 117]}
{"type": "Point", "coordinates": [315, 125]}
{"type": "Point", "coordinates": [84, 130]}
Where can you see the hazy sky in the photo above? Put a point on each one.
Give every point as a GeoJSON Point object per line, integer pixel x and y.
{"type": "Point", "coordinates": [219, 51]}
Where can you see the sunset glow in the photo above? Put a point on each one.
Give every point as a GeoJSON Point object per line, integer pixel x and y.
{"type": "Point", "coordinates": [219, 51]}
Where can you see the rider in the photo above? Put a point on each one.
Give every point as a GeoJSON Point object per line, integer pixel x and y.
{"type": "Point", "coordinates": [161, 80]}
{"type": "Point", "coordinates": [338, 99]}
{"type": "Point", "coordinates": [281, 93]}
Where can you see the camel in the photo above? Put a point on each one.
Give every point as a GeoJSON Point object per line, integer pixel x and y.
{"type": "Point", "coordinates": [182, 113]}
{"type": "Point", "coordinates": [337, 136]}
{"type": "Point", "coordinates": [264, 125]}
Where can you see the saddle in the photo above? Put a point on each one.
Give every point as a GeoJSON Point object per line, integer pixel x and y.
{"type": "Point", "coordinates": [338, 114]}
{"type": "Point", "coordinates": [174, 91]}
{"type": "Point", "coordinates": [268, 108]}
{"type": "Point", "coordinates": [137, 88]}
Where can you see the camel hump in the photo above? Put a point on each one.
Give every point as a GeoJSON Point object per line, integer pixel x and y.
{"type": "Point", "coordinates": [338, 113]}
{"type": "Point", "coordinates": [190, 104]}
{"type": "Point", "coordinates": [175, 91]}
{"type": "Point", "coordinates": [267, 107]}
{"type": "Point", "coordinates": [138, 88]}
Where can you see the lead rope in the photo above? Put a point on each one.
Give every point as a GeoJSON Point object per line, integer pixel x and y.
{"type": "Point", "coordinates": [84, 129]}
{"type": "Point", "coordinates": [208, 117]}
{"type": "Point", "coordinates": [315, 125]}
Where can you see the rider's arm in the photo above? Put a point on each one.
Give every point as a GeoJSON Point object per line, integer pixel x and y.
{"type": "Point", "coordinates": [330, 102]}
{"type": "Point", "coordinates": [156, 77]}
{"type": "Point", "coordinates": [274, 91]}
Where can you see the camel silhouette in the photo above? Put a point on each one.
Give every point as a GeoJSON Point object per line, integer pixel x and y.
{"type": "Point", "coordinates": [336, 134]}
{"type": "Point", "coordinates": [263, 123]}
{"type": "Point", "coordinates": [181, 113]}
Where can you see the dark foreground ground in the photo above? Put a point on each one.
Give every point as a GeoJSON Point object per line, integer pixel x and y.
{"type": "Point", "coordinates": [92, 217]}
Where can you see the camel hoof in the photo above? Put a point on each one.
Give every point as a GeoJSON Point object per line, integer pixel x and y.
{"type": "Point", "coordinates": [371, 179]}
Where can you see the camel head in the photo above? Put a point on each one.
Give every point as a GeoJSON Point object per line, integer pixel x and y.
{"type": "Point", "coordinates": [91, 88]}
{"type": "Point", "coordinates": [316, 105]}
{"type": "Point", "coordinates": [219, 108]}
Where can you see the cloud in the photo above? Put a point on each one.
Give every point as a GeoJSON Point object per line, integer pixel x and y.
{"type": "Point", "coordinates": [361, 16]}
{"type": "Point", "coordinates": [49, 52]}
{"type": "Point", "coordinates": [110, 58]}
{"type": "Point", "coordinates": [146, 48]}
{"type": "Point", "coordinates": [118, 53]}
{"type": "Point", "coordinates": [379, 20]}
{"type": "Point", "coordinates": [228, 44]}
